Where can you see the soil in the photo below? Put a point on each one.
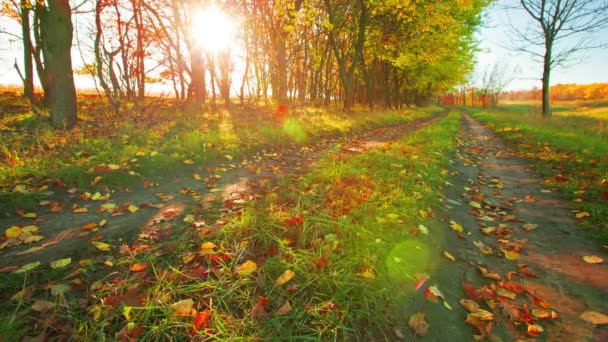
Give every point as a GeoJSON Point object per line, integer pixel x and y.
{"type": "Point", "coordinates": [487, 171]}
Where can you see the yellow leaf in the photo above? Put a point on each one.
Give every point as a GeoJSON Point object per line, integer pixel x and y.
{"type": "Point", "coordinates": [197, 176]}
{"type": "Point", "coordinates": [456, 227]}
{"type": "Point", "coordinates": [188, 161]}
{"type": "Point", "coordinates": [285, 277]}
{"type": "Point", "coordinates": [449, 256]}
{"type": "Point", "coordinates": [183, 307]}
{"type": "Point", "coordinates": [447, 306]}
{"type": "Point", "coordinates": [32, 238]}
{"type": "Point", "coordinates": [28, 267]}
{"type": "Point", "coordinates": [511, 255]}
{"type": "Point", "coordinates": [246, 268]}
{"type": "Point", "coordinates": [113, 167]}
{"type": "Point", "coordinates": [96, 196]}
{"type": "Point", "coordinates": [61, 263]}
{"type": "Point", "coordinates": [367, 273]}
{"type": "Point", "coordinates": [483, 247]}
{"type": "Point", "coordinates": [13, 232]}
{"type": "Point", "coordinates": [229, 157]}
{"type": "Point", "coordinates": [102, 246]}
{"type": "Point", "coordinates": [529, 226]}
{"type": "Point", "coordinates": [593, 259]}
{"type": "Point", "coordinates": [108, 263]}
{"type": "Point", "coordinates": [582, 214]}
{"type": "Point", "coordinates": [29, 215]}
{"type": "Point", "coordinates": [81, 210]}
{"type": "Point", "coordinates": [475, 205]}
{"type": "Point", "coordinates": [424, 214]}
{"type": "Point", "coordinates": [393, 216]}
{"type": "Point", "coordinates": [207, 248]}
{"type": "Point", "coordinates": [188, 257]}
{"type": "Point", "coordinates": [30, 228]}
{"type": "Point", "coordinates": [488, 230]}
{"type": "Point", "coordinates": [132, 208]}
{"type": "Point", "coordinates": [380, 219]}
{"type": "Point", "coordinates": [102, 222]}
{"type": "Point", "coordinates": [594, 317]}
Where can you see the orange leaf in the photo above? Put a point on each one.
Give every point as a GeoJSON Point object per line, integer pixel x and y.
{"type": "Point", "coordinates": [294, 221]}
{"type": "Point", "coordinates": [285, 277]}
{"type": "Point", "coordinates": [138, 267]}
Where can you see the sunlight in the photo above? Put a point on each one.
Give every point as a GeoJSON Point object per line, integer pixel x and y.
{"type": "Point", "coordinates": [214, 29]}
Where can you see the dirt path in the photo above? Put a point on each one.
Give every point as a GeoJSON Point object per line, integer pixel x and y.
{"type": "Point", "coordinates": [535, 241]}
{"type": "Point", "coordinates": [65, 234]}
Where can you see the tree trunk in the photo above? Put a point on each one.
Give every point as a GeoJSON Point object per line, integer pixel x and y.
{"type": "Point", "coordinates": [56, 36]}
{"type": "Point", "coordinates": [546, 76]}
{"type": "Point", "coordinates": [28, 67]}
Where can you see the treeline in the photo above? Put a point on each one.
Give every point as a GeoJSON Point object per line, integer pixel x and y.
{"type": "Point", "coordinates": [561, 92]}
{"type": "Point", "coordinates": [374, 52]}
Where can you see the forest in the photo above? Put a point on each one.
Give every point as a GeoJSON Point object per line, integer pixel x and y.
{"type": "Point", "coordinates": [387, 53]}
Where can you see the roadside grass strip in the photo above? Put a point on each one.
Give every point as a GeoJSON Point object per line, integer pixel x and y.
{"type": "Point", "coordinates": [118, 153]}
{"type": "Point", "coordinates": [325, 256]}
{"type": "Point", "coordinates": [570, 152]}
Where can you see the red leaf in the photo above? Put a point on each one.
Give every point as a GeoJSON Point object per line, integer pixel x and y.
{"type": "Point", "coordinates": [294, 221]}
{"type": "Point", "coordinates": [322, 262]}
{"type": "Point", "coordinates": [201, 321]}
{"type": "Point", "coordinates": [472, 292]}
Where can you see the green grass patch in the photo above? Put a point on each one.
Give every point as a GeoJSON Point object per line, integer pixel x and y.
{"type": "Point", "coordinates": [570, 151]}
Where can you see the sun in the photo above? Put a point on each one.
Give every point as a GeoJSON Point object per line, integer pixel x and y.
{"type": "Point", "coordinates": [213, 29]}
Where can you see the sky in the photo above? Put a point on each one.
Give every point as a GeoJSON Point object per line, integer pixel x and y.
{"type": "Point", "coordinates": [494, 44]}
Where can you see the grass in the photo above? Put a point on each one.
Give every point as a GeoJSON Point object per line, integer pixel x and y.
{"type": "Point", "coordinates": [570, 150]}
{"type": "Point", "coordinates": [348, 232]}
{"type": "Point", "coordinates": [33, 155]}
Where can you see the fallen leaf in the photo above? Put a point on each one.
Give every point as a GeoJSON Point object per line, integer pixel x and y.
{"type": "Point", "coordinates": [42, 305]}
{"type": "Point", "coordinates": [593, 259]}
{"type": "Point", "coordinates": [322, 262]}
{"type": "Point", "coordinates": [534, 330]}
{"type": "Point", "coordinates": [529, 226]}
{"type": "Point", "coordinates": [13, 232]}
{"type": "Point", "coordinates": [259, 310]}
{"type": "Point", "coordinates": [393, 216]}
{"type": "Point", "coordinates": [366, 273]}
{"type": "Point", "coordinates": [28, 267]}
{"type": "Point", "coordinates": [138, 267]}
{"type": "Point", "coordinates": [594, 317]}
{"type": "Point", "coordinates": [582, 214]}
{"type": "Point", "coordinates": [61, 263]}
{"type": "Point", "coordinates": [30, 215]}
{"type": "Point", "coordinates": [447, 255]}
{"type": "Point", "coordinates": [81, 210]}
{"type": "Point", "coordinates": [423, 229]}
{"type": "Point", "coordinates": [102, 246]}
{"type": "Point", "coordinates": [475, 205]}
{"type": "Point", "coordinates": [509, 254]}
{"type": "Point", "coordinates": [483, 248]}
{"type": "Point", "coordinates": [201, 321]}
{"type": "Point", "coordinates": [285, 277]}
{"type": "Point", "coordinates": [418, 324]}
{"type": "Point", "coordinates": [469, 305]}
{"type": "Point", "coordinates": [284, 309]}
{"type": "Point", "coordinates": [183, 307]}
{"type": "Point", "coordinates": [294, 221]}
{"type": "Point", "coordinates": [488, 230]}
{"type": "Point", "coordinates": [456, 227]}
{"type": "Point", "coordinates": [132, 208]}
{"type": "Point", "coordinates": [246, 268]}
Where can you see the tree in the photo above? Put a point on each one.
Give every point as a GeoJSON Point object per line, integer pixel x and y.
{"type": "Point", "coordinates": [56, 37]}
{"type": "Point", "coordinates": [562, 29]}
